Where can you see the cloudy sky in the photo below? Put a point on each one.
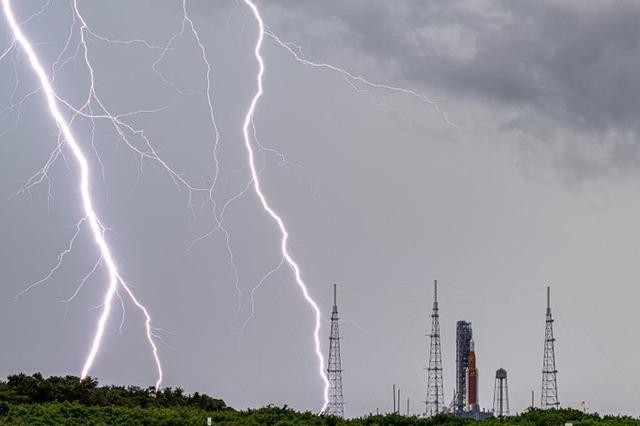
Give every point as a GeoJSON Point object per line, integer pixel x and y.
{"type": "Point", "coordinates": [515, 168]}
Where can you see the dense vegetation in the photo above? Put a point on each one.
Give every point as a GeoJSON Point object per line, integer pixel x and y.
{"type": "Point", "coordinates": [33, 400]}
{"type": "Point", "coordinates": [23, 389]}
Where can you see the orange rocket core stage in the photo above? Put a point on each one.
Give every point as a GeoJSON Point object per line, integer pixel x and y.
{"type": "Point", "coordinates": [472, 379]}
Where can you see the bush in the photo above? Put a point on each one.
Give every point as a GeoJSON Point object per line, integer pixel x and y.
{"type": "Point", "coordinates": [4, 408]}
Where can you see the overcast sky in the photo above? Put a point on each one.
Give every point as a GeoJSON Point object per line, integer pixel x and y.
{"type": "Point", "coordinates": [524, 175]}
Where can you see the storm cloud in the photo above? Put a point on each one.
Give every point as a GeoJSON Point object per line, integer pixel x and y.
{"type": "Point", "coordinates": [565, 73]}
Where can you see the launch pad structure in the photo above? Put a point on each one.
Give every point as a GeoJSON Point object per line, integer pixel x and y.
{"type": "Point", "coordinates": [466, 405]}
{"type": "Point", "coordinates": [464, 334]}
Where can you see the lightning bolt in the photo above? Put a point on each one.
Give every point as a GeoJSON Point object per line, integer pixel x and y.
{"type": "Point", "coordinates": [257, 186]}
{"type": "Point", "coordinates": [116, 285]}
{"type": "Point", "coordinates": [352, 79]}
{"type": "Point", "coordinates": [218, 215]}
{"type": "Point", "coordinates": [97, 229]}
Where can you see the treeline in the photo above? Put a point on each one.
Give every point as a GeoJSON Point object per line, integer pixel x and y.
{"type": "Point", "coordinates": [67, 413]}
{"type": "Point", "coordinates": [34, 400]}
{"type": "Point", "coordinates": [35, 389]}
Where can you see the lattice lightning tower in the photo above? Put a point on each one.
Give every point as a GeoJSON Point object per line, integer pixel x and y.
{"type": "Point", "coordinates": [435, 392]}
{"type": "Point", "coordinates": [549, 395]}
{"type": "Point", "coordinates": [334, 369]}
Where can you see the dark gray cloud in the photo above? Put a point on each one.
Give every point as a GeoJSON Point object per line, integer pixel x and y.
{"type": "Point", "coordinates": [568, 66]}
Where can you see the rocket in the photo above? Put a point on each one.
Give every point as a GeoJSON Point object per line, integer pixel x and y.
{"type": "Point", "coordinates": [472, 379]}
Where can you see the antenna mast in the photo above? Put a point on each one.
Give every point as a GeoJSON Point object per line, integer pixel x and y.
{"type": "Point", "coordinates": [435, 391]}
{"type": "Point", "coordinates": [334, 368]}
{"type": "Point", "coordinates": [549, 394]}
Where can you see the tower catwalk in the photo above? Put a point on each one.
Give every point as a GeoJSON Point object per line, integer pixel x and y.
{"type": "Point", "coordinates": [435, 392]}
{"type": "Point", "coordinates": [334, 368]}
{"type": "Point", "coordinates": [549, 394]}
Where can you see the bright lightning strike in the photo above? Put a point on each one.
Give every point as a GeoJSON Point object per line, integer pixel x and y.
{"type": "Point", "coordinates": [117, 285]}
{"type": "Point", "coordinates": [97, 229]}
{"type": "Point", "coordinates": [248, 120]}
